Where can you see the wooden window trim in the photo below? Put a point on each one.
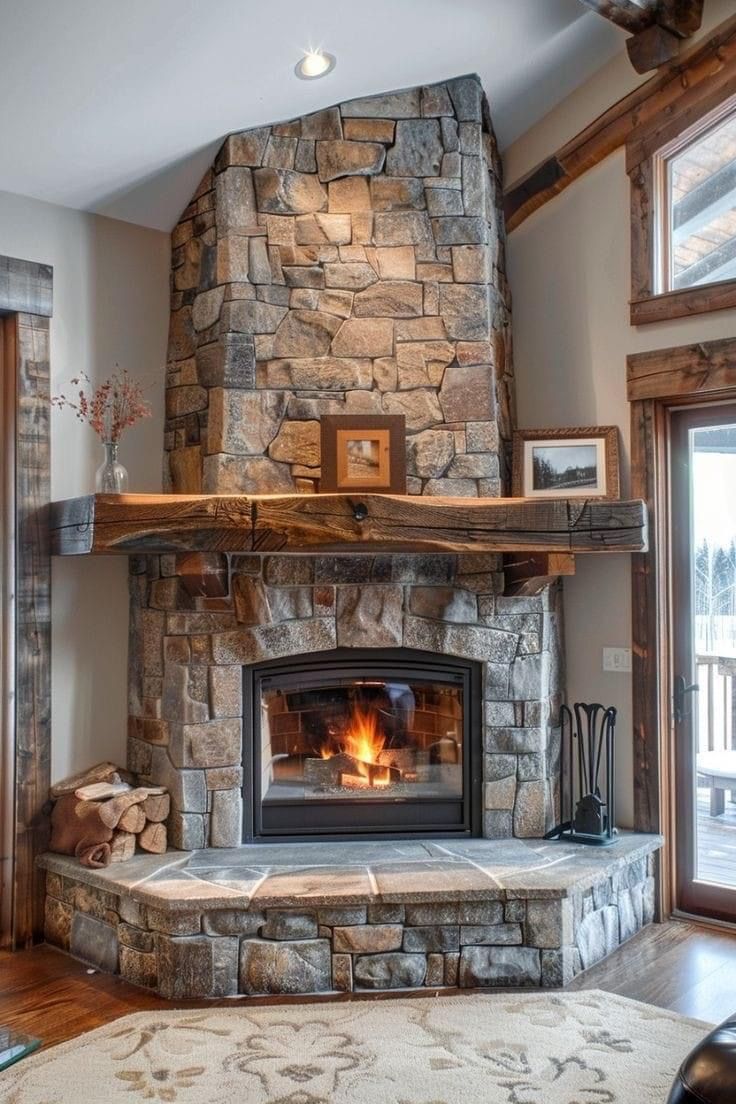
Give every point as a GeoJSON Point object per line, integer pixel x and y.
{"type": "Point", "coordinates": [657, 382]}
{"type": "Point", "coordinates": [644, 148]}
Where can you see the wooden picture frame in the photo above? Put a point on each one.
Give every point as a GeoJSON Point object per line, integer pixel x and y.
{"type": "Point", "coordinates": [363, 452]}
{"type": "Point", "coordinates": [539, 456]}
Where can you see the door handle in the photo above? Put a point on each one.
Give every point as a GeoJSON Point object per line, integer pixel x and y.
{"type": "Point", "coordinates": [679, 698]}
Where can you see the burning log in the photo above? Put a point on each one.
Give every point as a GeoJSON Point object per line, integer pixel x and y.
{"type": "Point", "coordinates": [345, 770]}
{"type": "Point", "coordinates": [373, 775]}
{"type": "Point", "coordinates": [325, 773]}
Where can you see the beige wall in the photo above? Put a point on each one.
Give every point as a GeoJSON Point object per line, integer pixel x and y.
{"type": "Point", "coordinates": [110, 306]}
{"type": "Point", "coordinates": [569, 271]}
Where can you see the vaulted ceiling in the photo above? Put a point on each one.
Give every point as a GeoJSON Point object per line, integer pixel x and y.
{"type": "Point", "coordinates": [118, 107]}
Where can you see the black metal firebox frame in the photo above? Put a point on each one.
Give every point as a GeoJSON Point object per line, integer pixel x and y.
{"type": "Point", "coordinates": [374, 818]}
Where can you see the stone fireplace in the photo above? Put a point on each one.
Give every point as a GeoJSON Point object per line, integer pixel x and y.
{"type": "Point", "coordinates": [196, 653]}
{"type": "Point", "coordinates": [351, 261]}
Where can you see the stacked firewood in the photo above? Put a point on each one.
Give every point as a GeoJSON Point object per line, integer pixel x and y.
{"type": "Point", "coordinates": [101, 816]}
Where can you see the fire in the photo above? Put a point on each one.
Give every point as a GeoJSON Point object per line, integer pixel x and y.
{"type": "Point", "coordinates": [363, 740]}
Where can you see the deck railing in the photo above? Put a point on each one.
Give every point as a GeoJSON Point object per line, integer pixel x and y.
{"type": "Point", "coordinates": [715, 702]}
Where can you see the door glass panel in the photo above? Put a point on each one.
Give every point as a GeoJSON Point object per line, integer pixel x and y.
{"type": "Point", "coordinates": [713, 566]}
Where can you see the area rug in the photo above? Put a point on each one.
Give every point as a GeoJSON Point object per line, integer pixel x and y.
{"type": "Point", "coordinates": [570, 1048]}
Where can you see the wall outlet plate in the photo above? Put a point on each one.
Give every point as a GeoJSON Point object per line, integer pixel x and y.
{"type": "Point", "coordinates": [617, 659]}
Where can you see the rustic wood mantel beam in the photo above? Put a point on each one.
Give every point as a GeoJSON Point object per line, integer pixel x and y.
{"type": "Point", "coordinates": [343, 523]}
{"type": "Point", "coordinates": [703, 65]}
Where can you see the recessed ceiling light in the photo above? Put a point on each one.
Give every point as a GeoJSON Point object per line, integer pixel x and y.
{"type": "Point", "coordinates": [315, 64]}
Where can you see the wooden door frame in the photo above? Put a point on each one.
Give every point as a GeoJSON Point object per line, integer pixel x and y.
{"type": "Point", "coordinates": [658, 381]}
{"type": "Point", "coordinates": [694, 896]}
{"type": "Point", "coordinates": [25, 736]}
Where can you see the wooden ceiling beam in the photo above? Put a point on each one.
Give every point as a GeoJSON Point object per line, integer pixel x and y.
{"type": "Point", "coordinates": [627, 14]}
{"type": "Point", "coordinates": [707, 64]}
{"type": "Point", "coordinates": [682, 17]}
{"type": "Point", "coordinates": [657, 27]}
{"type": "Point", "coordinates": [652, 48]}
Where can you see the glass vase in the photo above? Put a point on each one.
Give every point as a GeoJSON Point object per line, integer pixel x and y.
{"type": "Point", "coordinates": [111, 477]}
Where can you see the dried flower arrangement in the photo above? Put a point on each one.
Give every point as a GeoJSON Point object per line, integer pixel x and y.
{"type": "Point", "coordinates": [112, 407]}
{"type": "Point", "coordinates": [115, 405]}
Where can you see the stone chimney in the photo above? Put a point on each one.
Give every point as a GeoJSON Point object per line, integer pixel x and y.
{"type": "Point", "coordinates": [348, 262]}
{"type": "Point", "coordinates": [351, 261]}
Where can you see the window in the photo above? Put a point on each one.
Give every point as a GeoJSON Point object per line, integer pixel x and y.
{"type": "Point", "coordinates": [696, 175]}
{"type": "Point", "coordinates": [682, 165]}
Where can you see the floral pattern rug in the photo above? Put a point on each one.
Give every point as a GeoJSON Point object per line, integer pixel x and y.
{"type": "Point", "coordinates": [586, 1047]}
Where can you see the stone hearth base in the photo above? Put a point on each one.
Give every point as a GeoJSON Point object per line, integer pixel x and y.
{"type": "Point", "coordinates": [330, 917]}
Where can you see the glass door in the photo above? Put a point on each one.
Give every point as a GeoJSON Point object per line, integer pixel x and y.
{"type": "Point", "coordinates": [703, 603]}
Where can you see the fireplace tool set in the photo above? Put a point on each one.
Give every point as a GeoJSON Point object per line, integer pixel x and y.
{"type": "Point", "coordinates": [586, 775]}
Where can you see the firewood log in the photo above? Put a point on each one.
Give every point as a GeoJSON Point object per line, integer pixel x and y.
{"type": "Point", "coordinates": [112, 810]}
{"type": "Point", "coordinates": [133, 819]}
{"type": "Point", "coordinates": [103, 772]}
{"type": "Point", "coordinates": [101, 791]}
{"type": "Point", "coordinates": [122, 846]}
{"type": "Point", "coordinates": [93, 855]}
{"type": "Point", "coordinates": [76, 822]}
{"type": "Point", "coordinates": [157, 806]}
{"type": "Point", "coordinates": [153, 838]}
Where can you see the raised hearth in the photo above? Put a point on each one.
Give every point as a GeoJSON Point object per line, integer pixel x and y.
{"type": "Point", "coordinates": [326, 917]}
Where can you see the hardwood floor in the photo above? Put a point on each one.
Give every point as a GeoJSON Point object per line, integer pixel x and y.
{"type": "Point", "coordinates": [685, 967]}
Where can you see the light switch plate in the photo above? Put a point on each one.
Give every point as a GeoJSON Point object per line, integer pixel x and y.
{"type": "Point", "coordinates": [617, 659]}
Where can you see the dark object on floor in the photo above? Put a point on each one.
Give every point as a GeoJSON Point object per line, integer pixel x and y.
{"type": "Point", "coordinates": [14, 1046]}
{"type": "Point", "coordinates": [708, 1074]}
{"type": "Point", "coordinates": [586, 775]}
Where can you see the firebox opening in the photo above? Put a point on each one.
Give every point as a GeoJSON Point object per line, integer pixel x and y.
{"type": "Point", "coordinates": [363, 743]}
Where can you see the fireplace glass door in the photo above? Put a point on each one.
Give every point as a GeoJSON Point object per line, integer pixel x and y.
{"type": "Point", "coordinates": [373, 743]}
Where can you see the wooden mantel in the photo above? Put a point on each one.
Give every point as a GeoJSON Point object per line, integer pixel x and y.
{"type": "Point", "coordinates": [140, 523]}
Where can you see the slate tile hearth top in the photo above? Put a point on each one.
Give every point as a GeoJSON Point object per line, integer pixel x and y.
{"type": "Point", "coordinates": [269, 875]}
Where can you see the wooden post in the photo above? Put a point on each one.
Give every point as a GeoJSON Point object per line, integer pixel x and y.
{"type": "Point", "coordinates": [26, 293]}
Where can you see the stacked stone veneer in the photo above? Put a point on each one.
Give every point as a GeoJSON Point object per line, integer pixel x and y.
{"type": "Point", "coordinates": [187, 656]}
{"type": "Point", "coordinates": [351, 261]}
{"type": "Point", "coordinates": [513, 940]}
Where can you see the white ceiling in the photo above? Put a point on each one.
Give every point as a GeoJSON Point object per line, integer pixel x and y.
{"type": "Point", "coordinates": [118, 107]}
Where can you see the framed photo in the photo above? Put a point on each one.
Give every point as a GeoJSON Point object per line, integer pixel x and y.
{"type": "Point", "coordinates": [566, 463]}
{"type": "Point", "coordinates": [363, 452]}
